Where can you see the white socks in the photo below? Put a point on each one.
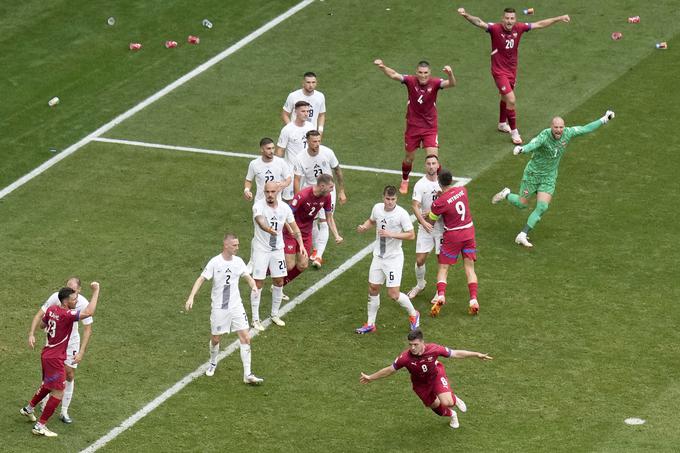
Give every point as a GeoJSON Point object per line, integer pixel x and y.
{"type": "Point", "coordinates": [373, 305]}
{"type": "Point", "coordinates": [321, 239]}
{"type": "Point", "coordinates": [68, 395]}
{"type": "Point", "coordinates": [405, 302]}
{"type": "Point", "coordinates": [245, 358]}
{"type": "Point", "coordinates": [277, 296]}
{"type": "Point", "coordinates": [420, 276]}
{"type": "Point", "coordinates": [255, 303]}
{"type": "Point", "coordinates": [214, 350]}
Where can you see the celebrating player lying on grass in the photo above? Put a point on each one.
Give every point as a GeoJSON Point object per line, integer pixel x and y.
{"type": "Point", "coordinates": [505, 37]}
{"type": "Point", "coordinates": [428, 375]}
{"type": "Point", "coordinates": [421, 112]}
{"type": "Point", "coordinates": [540, 174]}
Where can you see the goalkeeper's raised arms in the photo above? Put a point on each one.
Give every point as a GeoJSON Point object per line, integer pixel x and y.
{"type": "Point", "coordinates": [608, 115]}
{"type": "Point", "coordinates": [517, 150]}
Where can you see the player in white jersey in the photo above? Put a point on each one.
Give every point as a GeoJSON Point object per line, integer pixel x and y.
{"type": "Point", "coordinates": [316, 100]}
{"type": "Point", "coordinates": [393, 225]}
{"type": "Point", "coordinates": [227, 313]}
{"type": "Point", "coordinates": [75, 349]}
{"type": "Point", "coordinates": [429, 236]}
{"type": "Point", "coordinates": [269, 218]}
{"type": "Point", "coordinates": [293, 141]}
{"type": "Point", "coordinates": [316, 161]}
{"type": "Point", "coordinates": [267, 167]}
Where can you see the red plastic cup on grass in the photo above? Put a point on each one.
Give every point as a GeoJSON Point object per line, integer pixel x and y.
{"type": "Point", "coordinates": [193, 39]}
{"type": "Point", "coordinates": [170, 44]}
{"type": "Point", "coordinates": [135, 46]}
{"type": "Point", "coordinates": [617, 35]}
{"type": "Point", "coordinates": [634, 20]}
{"type": "Point", "coordinates": [662, 45]}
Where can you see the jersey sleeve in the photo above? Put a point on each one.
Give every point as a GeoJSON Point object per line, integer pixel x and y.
{"type": "Point", "coordinates": [407, 80]}
{"type": "Point", "coordinates": [295, 202]}
{"type": "Point", "coordinates": [406, 224]}
{"type": "Point", "coordinates": [209, 270]}
{"type": "Point", "coordinates": [332, 159]}
{"type": "Point", "coordinates": [52, 300]}
{"type": "Point", "coordinates": [80, 306]}
{"type": "Point", "coordinates": [374, 216]}
{"type": "Point", "coordinates": [443, 351]}
{"type": "Point", "coordinates": [536, 142]}
{"type": "Point", "coordinates": [283, 139]}
{"type": "Point", "coordinates": [258, 209]}
{"type": "Point", "coordinates": [581, 130]}
{"type": "Point", "coordinates": [289, 105]}
{"type": "Point", "coordinates": [417, 193]}
{"type": "Point", "coordinates": [322, 106]}
{"type": "Point", "coordinates": [490, 27]}
{"type": "Point", "coordinates": [400, 362]}
{"type": "Point", "coordinates": [289, 214]}
{"type": "Point", "coordinates": [328, 203]}
{"type": "Point", "coordinates": [525, 26]}
{"type": "Point", "coordinates": [251, 171]}
{"type": "Point", "coordinates": [242, 268]}
{"type": "Point", "coordinates": [285, 168]}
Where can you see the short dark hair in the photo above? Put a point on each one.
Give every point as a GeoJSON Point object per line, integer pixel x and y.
{"type": "Point", "coordinates": [509, 10]}
{"type": "Point", "coordinates": [432, 156]}
{"type": "Point", "coordinates": [266, 141]}
{"type": "Point", "coordinates": [445, 178]}
{"type": "Point", "coordinates": [309, 74]}
{"type": "Point", "coordinates": [299, 104]}
{"type": "Point", "coordinates": [229, 235]}
{"type": "Point", "coordinates": [423, 63]}
{"type": "Point", "coordinates": [324, 178]}
{"type": "Point", "coordinates": [65, 293]}
{"type": "Point", "coordinates": [390, 191]}
{"type": "Point", "coordinates": [312, 133]}
{"type": "Point", "coordinates": [415, 335]}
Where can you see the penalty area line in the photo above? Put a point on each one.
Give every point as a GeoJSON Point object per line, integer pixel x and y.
{"type": "Point", "coordinates": [460, 180]}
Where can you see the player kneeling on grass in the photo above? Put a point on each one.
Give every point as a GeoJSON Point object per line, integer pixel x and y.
{"type": "Point", "coordinates": [459, 239]}
{"type": "Point", "coordinates": [58, 325]}
{"type": "Point", "coordinates": [392, 225]}
{"type": "Point", "coordinates": [227, 312]}
{"type": "Point", "coordinates": [540, 174]}
{"type": "Point", "coordinates": [428, 375]}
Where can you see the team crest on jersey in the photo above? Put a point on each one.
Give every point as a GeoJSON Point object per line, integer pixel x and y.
{"type": "Point", "coordinates": [514, 35]}
{"type": "Point", "coordinates": [503, 88]}
{"type": "Point", "coordinates": [526, 192]}
{"type": "Point", "coordinates": [429, 90]}
{"type": "Point", "coordinates": [294, 202]}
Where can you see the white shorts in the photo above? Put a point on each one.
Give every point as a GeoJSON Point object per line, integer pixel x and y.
{"type": "Point", "coordinates": [425, 241]}
{"type": "Point", "coordinates": [322, 213]}
{"type": "Point", "coordinates": [275, 261]}
{"type": "Point", "coordinates": [383, 270]}
{"type": "Point", "coordinates": [71, 352]}
{"type": "Point", "coordinates": [226, 321]}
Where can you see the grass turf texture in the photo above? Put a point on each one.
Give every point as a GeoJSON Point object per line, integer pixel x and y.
{"type": "Point", "coordinates": [582, 327]}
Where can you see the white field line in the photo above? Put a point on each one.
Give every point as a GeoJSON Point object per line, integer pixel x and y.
{"type": "Point", "coordinates": [460, 180]}
{"type": "Point", "coordinates": [153, 98]}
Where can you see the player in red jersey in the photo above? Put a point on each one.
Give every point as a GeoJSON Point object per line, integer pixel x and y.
{"type": "Point", "coordinates": [428, 375]}
{"type": "Point", "coordinates": [505, 37]}
{"type": "Point", "coordinates": [421, 112]}
{"type": "Point", "coordinates": [58, 324]}
{"type": "Point", "coordinates": [459, 238]}
{"type": "Point", "coordinates": [306, 205]}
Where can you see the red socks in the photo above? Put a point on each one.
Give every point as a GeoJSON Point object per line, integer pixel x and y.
{"type": "Point", "coordinates": [472, 287]}
{"type": "Point", "coordinates": [405, 169]}
{"type": "Point", "coordinates": [50, 407]}
{"type": "Point", "coordinates": [512, 119]}
{"type": "Point", "coordinates": [442, 410]}
{"type": "Point", "coordinates": [503, 117]}
{"type": "Point", "coordinates": [441, 288]}
{"type": "Point", "coordinates": [294, 272]}
{"type": "Point", "coordinates": [39, 395]}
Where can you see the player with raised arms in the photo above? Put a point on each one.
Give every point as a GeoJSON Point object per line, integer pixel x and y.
{"type": "Point", "coordinates": [428, 375]}
{"type": "Point", "coordinates": [421, 112]}
{"type": "Point", "coordinates": [505, 38]}
{"type": "Point", "coordinates": [540, 173]}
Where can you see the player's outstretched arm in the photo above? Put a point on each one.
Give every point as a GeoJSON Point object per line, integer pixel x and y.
{"type": "Point", "coordinates": [474, 20]}
{"type": "Point", "coordinates": [593, 125]}
{"type": "Point", "coordinates": [34, 325]}
{"type": "Point", "coordinates": [264, 226]}
{"type": "Point", "coordinates": [450, 81]}
{"type": "Point", "coordinates": [389, 72]}
{"type": "Point", "coordinates": [368, 378]}
{"type": "Point", "coordinates": [462, 354]}
{"type": "Point", "coordinates": [194, 290]}
{"type": "Point", "coordinates": [548, 22]}
{"type": "Point", "coordinates": [92, 306]}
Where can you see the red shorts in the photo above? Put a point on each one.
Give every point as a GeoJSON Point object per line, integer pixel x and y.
{"type": "Point", "coordinates": [420, 138]}
{"type": "Point", "coordinates": [54, 373]}
{"type": "Point", "coordinates": [291, 246]}
{"type": "Point", "coordinates": [451, 248]}
{"type": "Point", "coordinates": [428, 392]}
{"type": "Point", "coordinates": [504, 83]}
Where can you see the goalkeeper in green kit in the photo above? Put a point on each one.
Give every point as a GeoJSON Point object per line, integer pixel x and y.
{"type": "Point", "coordinates": [540, 174]}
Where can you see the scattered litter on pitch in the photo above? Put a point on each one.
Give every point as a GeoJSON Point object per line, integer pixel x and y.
{"type": "Point", "coordinates": [634, 421]}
